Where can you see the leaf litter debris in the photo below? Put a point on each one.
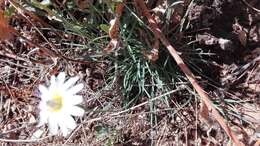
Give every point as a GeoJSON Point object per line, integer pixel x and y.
{"type": "Point", "coordinates": [22, 70]}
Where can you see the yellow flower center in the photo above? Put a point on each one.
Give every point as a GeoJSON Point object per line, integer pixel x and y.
{"type": "Point", "coordinates": [56, 103]}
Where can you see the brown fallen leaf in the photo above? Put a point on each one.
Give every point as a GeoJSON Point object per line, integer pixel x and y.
{"type": "Point", "coordinates": [84, 4]}
{"type": "Point", "coordinates": [5, 29]}
{"type": "Point", "coordinates": [154, 54]}
{"type": "Point", "coordinates": [242, 34]}
{"type": "Point", "coordinates": [204, 113]}
{"type": "Point", "coordinates": [114, 30]}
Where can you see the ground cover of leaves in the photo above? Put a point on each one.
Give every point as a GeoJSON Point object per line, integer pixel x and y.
{"type": "Point", "coordinates": [226, 31]}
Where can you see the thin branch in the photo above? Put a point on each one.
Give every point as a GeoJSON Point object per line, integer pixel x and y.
{"type": "Point", "coordinates": [253, 8]}
{"type": "Point", "coordinates": [144, 103]}
{"type": "Point", "coordinates": [24, 140]}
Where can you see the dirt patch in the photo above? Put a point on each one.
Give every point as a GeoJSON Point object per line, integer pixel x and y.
{"type": "Point", "coordinates": [218, 39]}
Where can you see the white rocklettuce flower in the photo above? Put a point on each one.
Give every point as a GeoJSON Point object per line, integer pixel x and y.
{"type": "Point", "coordinates": [58, 104]}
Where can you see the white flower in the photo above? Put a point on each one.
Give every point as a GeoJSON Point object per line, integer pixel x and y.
{"type": "Point", "coordinates": [58, 104]}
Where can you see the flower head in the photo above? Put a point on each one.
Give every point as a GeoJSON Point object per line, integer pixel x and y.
{"type": "Point", "coordinates": [58, 104]}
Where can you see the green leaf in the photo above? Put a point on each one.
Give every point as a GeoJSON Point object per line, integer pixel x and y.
{"type": "Point", "coordinates": [104, 27]}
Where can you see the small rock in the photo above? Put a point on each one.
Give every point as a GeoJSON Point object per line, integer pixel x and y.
{"type": "Point", "coordinates": [225, 44]}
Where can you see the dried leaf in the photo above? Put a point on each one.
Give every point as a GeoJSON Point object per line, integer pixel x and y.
{"type": "Point", "coordinates": [154, 54]}
{"type": "Point", "coordinates": [242, 37]}
{"type": "Point", "coordinates": [114, 30]}
{"type": "Point", "coordinates": [204, 111]}
{"type": "Point", "coordinates": [242, 34]}
{"type": "Point", "coordinates": [113, 44]}
{"type": "Point", "coordinates": [84, 4]}
{"type": "Point", "coordinates": [5, 30]}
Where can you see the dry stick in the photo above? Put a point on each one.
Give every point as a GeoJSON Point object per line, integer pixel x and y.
{"type": "Point", "coordinates": [253, 8]}
{"type": "Point", "coordinates": [24, 140]}
{"type": "Point", "coordinates": [141, 104]}
{"type": "Point", "coordinates": [187, 72]}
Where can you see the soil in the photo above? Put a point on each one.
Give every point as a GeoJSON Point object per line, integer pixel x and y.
{"type": "Point", "coordinates": [229, 29]}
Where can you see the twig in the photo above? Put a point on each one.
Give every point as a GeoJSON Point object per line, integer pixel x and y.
{"type": "Point", "coordinates": [187, 72]}
{"type": "Point", "coordinates": [24, 140]}
{"type": "Point", "coordinates": [141, 104]}
{"type": "Point", "coordinates": [12, 56]}
{"type": "Point", "coordinates": [71, 135]}
{"type": "Point", "coordinates": [253, 8]}
{"type": "Point", "coordinates": [16, 129]}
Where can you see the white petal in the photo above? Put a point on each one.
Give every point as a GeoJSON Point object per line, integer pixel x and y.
{"type": "Point", "coordinates": [53, 125]}
{"type": "Point", "coordinates": [45, 94]}
{"type": "Point", "coordinates": [61, 78]}
{"type": "Point", "coordinates": [43, 118]}
{"type": "Point", "coordinates": [64, 130]}
{"type": "Point", "coordinates": [53, 80]}
{"type": "Point", "coordinates": [76, 111]}
{"type": "Point", "coordinates": [67, 124]}
{"type": "Point", "coordinates": [53, 85]}
{"type": "Point", "coordinates": [42, 106]}
{"type": "Point", "coordinates": [43, 89]}
{"type": "Point", "coordinates": [70, 82]}
{"type": "Point", "coordinates": [72, 100]}
{"type": "Point", "coordinates": [75, 89]}
{"type": "Point", "coordinates": [70, 123]}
